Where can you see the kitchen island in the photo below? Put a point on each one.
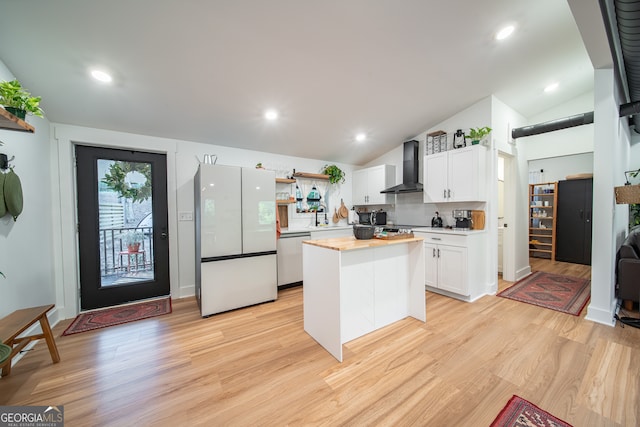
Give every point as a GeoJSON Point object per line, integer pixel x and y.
{"type": "Point", "coordinates": [353, 287]}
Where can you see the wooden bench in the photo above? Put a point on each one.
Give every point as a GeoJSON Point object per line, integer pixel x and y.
{"type": "Point", "coordinates": [18, 322]}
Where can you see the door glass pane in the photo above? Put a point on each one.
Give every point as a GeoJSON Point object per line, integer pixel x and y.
{"type": "Point", "coordinates": [126, 222]}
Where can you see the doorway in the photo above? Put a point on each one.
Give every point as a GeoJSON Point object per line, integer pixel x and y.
{"type": "Point", "coordinates": [122, 226]}
{"type": "Point", "coordinates": [507, 202]}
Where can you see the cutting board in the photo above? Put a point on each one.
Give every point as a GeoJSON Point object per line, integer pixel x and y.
{"type": "Point", "coordinates": [394, 236]}
{"type": "Point", "coordinates": [478, 220]}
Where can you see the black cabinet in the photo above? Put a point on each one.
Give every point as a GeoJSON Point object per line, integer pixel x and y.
{"type": "Point", "coordinates": [573, 224]}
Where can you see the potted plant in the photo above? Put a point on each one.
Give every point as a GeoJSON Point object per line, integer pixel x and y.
{"type": "Point", "coordinates": [335, 174]}
{"type": "Point", "coordinates": [132, 238]}
{"type": "Point", "coordinates": [18, 101]}
{"type": "Point", "coordinates": [477, 134]}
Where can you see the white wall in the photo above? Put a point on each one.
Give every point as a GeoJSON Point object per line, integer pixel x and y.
{"type": "Point", "coordinates": [611, 158]}
{"type": "Point", "coordinates": [557, 168]}
{"type": "Point", "coordinates": [563, 142]}
{"type": "Point", "coordinates": [516, 215]}
{"type": "Point", "coordinates": [26, 254]}
{"type": "Point", "coordinates": [182, 162]}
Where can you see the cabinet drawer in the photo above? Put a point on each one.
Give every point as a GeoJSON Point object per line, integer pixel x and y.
{"type": "Point", "coordinates": [443, 239]}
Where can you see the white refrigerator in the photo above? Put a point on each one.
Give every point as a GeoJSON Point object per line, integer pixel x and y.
{"type": "Point", "coordinates": [235, 237]}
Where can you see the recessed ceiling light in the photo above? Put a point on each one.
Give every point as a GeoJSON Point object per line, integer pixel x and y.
{"type": "Point", "coordinates": [551, 87]}
{"type": "Point", "coordinates": [101, 76]}
{"type": "Point", "coordinates": [271, 115]}
{"type": "Point", "coordinates": [361, 137]}
{"type": "Point", "coordinates": [505, 32]}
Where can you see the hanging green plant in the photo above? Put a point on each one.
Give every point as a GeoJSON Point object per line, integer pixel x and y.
{"type": "Point", "coordinates": [335, 174]}
{"type": "Point", "coordinates": [116, 180]}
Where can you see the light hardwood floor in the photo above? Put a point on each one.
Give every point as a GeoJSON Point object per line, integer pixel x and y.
{"type": "Point", "coordinates": [257, 366]}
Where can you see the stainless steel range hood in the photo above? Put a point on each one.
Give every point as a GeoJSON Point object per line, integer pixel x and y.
{"type": "Point", "coordinates": [410, 171]}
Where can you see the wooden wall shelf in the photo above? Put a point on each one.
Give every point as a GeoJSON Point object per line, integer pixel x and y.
{"type": "Point", "coordinates": [285, 202]}
{"type": "Point", "coordinates": [285, 181]}
{"type": "Point", "coordinates": [311, 175]}
{"type": "Point", "coordinates": [11, 122]}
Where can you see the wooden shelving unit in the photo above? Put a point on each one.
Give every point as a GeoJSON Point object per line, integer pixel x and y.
{"type": "Point", "coordinates": [285, 202]}
{"type": "Point", "coordinates": [310, 175]}
{"type": "Point", "coordinates": [543, 205]}
{"type": "Point", "coordinates": [285, 181]}
{"type": "Point", "coordinates": [11, 122]}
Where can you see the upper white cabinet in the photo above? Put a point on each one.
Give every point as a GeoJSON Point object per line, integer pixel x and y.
{"type": "Point", "coordinates": [369, 182]}
{"type": "Point", "coordinates": [456, 175]}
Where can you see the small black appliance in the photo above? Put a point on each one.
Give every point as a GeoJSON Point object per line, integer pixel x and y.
{"type": "Point", "coordinates": [463, 219]}
{"type": "Point", "coordinates": [436, 221]}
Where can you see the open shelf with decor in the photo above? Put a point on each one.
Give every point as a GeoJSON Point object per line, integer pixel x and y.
{"type": "Point", "coordinates": [11, 122]}
{"type": "Point", "coordinates": [543, 203]}
{"type": "Point", "coordinates": [310, 175]}
{"type": "Point", "coordinates": [285, 181]}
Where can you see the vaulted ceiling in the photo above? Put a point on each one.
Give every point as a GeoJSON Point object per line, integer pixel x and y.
{"type": "Point", "coordinates": [207, 70]}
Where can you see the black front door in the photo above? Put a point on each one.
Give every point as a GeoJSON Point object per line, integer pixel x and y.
{"type": "Point", "coordinates": [122, 226]}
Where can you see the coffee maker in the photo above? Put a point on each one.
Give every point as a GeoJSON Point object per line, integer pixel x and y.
{"type": "Point", "coordinates": [463, 219]}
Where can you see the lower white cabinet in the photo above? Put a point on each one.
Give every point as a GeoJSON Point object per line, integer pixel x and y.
{"type": "Point", "coordinates": [455, 264]}
{"type": "Point", "coordinates": [446, 267]}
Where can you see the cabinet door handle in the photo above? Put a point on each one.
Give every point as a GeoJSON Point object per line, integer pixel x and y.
{"type": "Point", "coordinates": [448, 194]}
{"type": "Point", "coordinates": [444, 193]}
{"type": "Point", "coordinates": [436, 238]}
{"type": "Point", "coordinates": [438, 253]}
{"type": "Point", "coordinates": [434, 252]}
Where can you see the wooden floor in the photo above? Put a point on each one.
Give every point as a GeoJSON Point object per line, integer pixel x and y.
{"type": "Point", "coordinates": [256, 366]}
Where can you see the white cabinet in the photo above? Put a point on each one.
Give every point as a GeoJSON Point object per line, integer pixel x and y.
{"type": "Point", "coordinates": [456, 175]}
{"type": "Point", "coordinates": [455, 264]}
{"type": "Point", "coordinates": [354, 291]}
{"type": "Point", "coordinates": [369, 182]}
{"type": "Point", "coordinates": [446, 267]}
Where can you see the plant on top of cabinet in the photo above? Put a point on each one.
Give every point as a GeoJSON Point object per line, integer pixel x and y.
{"type": "Point", "coordinates": [476, 134]}
{"type": "Point", "coordinates": [18, 101]}
{"type": "Point", "coordinates": [336, 175]}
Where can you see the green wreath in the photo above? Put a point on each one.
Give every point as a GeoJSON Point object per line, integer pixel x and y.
{"type": "Point", "coordinates": [115, 179]}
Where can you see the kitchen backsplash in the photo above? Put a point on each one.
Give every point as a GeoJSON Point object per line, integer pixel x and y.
{"type": "Point", "coordinates": [410, 209]}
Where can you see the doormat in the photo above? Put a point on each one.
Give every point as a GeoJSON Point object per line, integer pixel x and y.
{"type": "Point", "coordinates": [554, 291]}
{"type": "Point", "coordinates": [103, 318]}
{"type": "Point", "coordinates": [520, 412]}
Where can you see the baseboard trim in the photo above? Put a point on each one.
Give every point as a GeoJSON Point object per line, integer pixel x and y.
{"type": "Point", "coordinates": [523, 272]}
{"type": "Point", "coordinates": [187, 291]}
{"type": "Point", "coordinates": [604, 317]}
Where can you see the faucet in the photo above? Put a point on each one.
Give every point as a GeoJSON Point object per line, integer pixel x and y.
{"type": "Point", "coordinates": [325, 214]}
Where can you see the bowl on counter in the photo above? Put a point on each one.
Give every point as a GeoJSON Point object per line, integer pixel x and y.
{"type": "Point", "coordinates": [363, 232]}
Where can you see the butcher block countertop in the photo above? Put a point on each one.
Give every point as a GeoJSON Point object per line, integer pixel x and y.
{"type": "Point", "coordinates": [351, 243]}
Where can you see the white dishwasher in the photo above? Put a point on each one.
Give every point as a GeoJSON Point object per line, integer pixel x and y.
{"type": "Point", "coordinates": [290, 258]}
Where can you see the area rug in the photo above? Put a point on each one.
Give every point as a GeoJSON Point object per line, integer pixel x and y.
{"type": "Point", "coordinates": [103, 318]}
{"type": "Point", "coordinates": [554, 291]}
{"type": "Point", "coordinates": [522, 413]}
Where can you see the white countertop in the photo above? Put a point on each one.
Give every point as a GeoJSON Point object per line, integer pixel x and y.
{"type": "Point", "coordinates": [446, 231]}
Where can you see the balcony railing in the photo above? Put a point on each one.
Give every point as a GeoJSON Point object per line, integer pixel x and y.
{"type": "Point", "coordinates": [114, 252]}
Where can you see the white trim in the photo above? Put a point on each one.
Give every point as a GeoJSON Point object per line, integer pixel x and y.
{"type": "Point", "coordinates": [522, 273]}
{"type": "Point", "coordinates": [605, 317]}
{"type": "Point", "coordinates": [64, 207]}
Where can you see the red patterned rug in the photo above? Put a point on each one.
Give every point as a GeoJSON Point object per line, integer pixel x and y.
{"type": "Point", "coordinates": [117, 315]}
{"type": "Point", "coordinates": [521, 413]}
{"type": "Point", "coordinates": [554, 291]}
